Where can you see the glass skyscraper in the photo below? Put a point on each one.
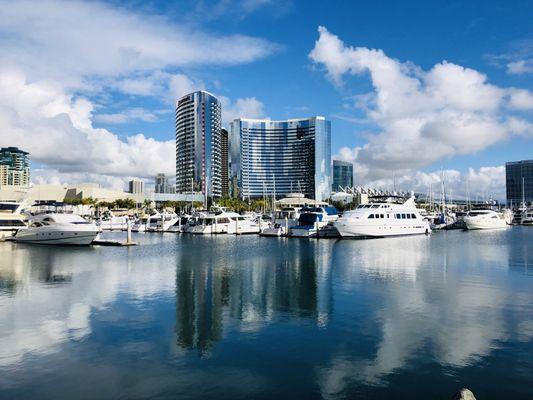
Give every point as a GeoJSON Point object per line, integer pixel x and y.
{"type": "Point", "coordinates": [198, 144]}
{"type": "Point", "coordinates": [14, 167]}
{"type": "Point", "coordinates": [280, 157]}
{"type": "Point", "coordinates": [342, 175]}
{"type": "Point", "coordinates": [516, 173]}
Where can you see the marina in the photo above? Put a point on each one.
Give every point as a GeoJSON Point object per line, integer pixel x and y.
{"type": "Point", "coordinates": [189, 316]}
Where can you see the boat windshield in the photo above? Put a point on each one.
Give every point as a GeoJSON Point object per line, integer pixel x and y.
{"type": "Point", "coordinates": [8, 207]}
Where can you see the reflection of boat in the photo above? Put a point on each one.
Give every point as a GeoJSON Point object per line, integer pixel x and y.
{"type": "Point", "coordinates": [382, 219]}
{"type": "Point", "coordinates": [58, 229]}
{"type": "Point", "coordinates": [485, 219]}
{"type": "Point", "coordinates": [11, 218]}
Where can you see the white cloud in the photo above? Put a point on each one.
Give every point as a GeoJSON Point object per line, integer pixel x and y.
{"type": "Point", "coordinates": [126, 116]}
{"type": "Point", "coordinates": [56, 129]}
{"type": "Point", "coordinates": [248, 107]}
{"type": "Point", "coordinates": [520, 67]}
{"type": "Point", "coordinates": [422, 116]}
{"type": "Point", "coordinates": [69, 40]}
{"type": "Point", "coordinates": [54, 51]}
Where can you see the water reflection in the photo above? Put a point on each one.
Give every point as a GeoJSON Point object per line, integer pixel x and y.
{"type": "Point", "coordinates": [226, 285]}
{"type": "Point", "coordinates": [359, 313]}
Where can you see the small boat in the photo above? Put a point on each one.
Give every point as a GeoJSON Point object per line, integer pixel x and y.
{"type": "Point", "coordinates": [111, 222]}
{"type": "Point", "coordinates": [11, 218]}
{"type": "Point", "coordinates": [140, 225]}
{"type": "Point", "coordinates": [527, 217]}
{"type": "Point", "coordinates": [58, 229]}
{"type": "Point", "coordinates": [485, 219]}
{"type": "Point", "coordinates": [180, 225]}
{"type": "Point", "coordinates": [312, 220]}
{"type": "Point", "coordinates": [283, 220]}
{"type": "Point", "coordinates": [382, 220]}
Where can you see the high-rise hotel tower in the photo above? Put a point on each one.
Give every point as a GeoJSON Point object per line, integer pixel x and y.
{"type": "Point", "coordinates": [198, 144]}
{"type": "Point", "coordinates": [279, 157]}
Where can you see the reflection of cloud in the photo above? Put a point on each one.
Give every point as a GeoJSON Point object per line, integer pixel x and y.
{"type": "Point", "coordinates": [38, 319]}
{"type": "Point", "coordinates": [440, 297]}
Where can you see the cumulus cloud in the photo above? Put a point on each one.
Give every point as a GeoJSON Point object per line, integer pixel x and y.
{"type": "Point", "coordinates": [79, 39]}
{"type": "Point", "coordinates": [248, 107]}
{"type": "Point", "coordinates": [421, 116]}
{"type": "Point", "coordinates": [76, 53]}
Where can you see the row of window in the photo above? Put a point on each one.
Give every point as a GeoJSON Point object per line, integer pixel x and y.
{"type": "Point", "coordinates": [396, 216]}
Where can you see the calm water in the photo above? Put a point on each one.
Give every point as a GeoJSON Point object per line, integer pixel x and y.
{"type": "Point", "coordinates": [247, 317]}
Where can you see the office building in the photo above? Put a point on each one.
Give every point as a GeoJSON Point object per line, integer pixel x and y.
{"type": "Point", "coordinates": [136, 186]}
{"type": "Point", "coordinates": [198, 144]}
{"type": "Point", "coordinates": [342, 175]}
{"type": "Point", "coordinates": [224, 157]}
{"type": "Point", "coordinates": [518, 180]}
{"type": "Point", "coordinates": [279, 157]}
{"type": "Point", "coordinates": [162, 185]}
{"type": "Point", "coordinates": [14, 167]}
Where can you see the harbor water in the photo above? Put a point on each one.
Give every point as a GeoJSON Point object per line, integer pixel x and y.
{"type": "Point", "coordinates": [230, 317]}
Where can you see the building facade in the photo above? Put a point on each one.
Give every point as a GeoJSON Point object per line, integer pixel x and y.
{"type": "Point", "coordinates": [342, 175]}
{"type": "Point", "coordinates": [162, 185]}
{"type": "Point", "coordinates": [519, 181]}
{"type": "Point", "coordinates": [14, 167]}
{"type": "Point", "coordinates": [136, 186]}
{"type": "Point", "coordinates": [279, 157]}
{"type": "Point", "coordinates": [198, 144]}
{"type": "Point", "coordinates": [224, 157]}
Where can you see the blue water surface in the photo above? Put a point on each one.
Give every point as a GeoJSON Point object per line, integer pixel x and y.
{"type": "Point", "coordinates": [226, 317]}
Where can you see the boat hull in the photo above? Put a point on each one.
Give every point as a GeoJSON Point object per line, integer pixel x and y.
{"type": "Point", "coordinates": [364, 231]}
{"type": "Point", "coordinates": [475, 224]}
{"type": "Point", "coordinates": [76, 238]}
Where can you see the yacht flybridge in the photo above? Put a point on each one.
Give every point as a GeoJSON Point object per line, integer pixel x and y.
{"type": "Point", "coordinates": [57, 229]}
{"type": "Point", "coordinates": [382, 220]}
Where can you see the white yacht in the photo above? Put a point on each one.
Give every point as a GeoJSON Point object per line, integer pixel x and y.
{"type": "Point", "coordinates": [140, 224]}
{"type": "Point", "coordinates": [382, 220]}
{"type": "Point", "coordinates": [58, 229]}
{"type": "Point", "coordinates": [180, 225]}
{"type": "Point", "coordinates": [210, 224]}
{"type": "Point", "coordinates": [111, 222]}
{"type": "Point", "coordinates": [485, 219]}
{"type": "Point", "coordinates": [282, 221]}
{"type": "Point", "coordinates": [165, 221]}
{"type": "Point", "coordinates": [11, 218]}
{"type": "Point", "coordinates": [527, 217]}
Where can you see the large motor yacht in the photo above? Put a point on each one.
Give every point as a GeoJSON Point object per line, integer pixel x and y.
{"type": "Point", "coordinates": [382, 220]}
{"type": "Point", "coordinates": [57, 229]}
{"type": "Point", "coordinates": [11, 218]}
{"type": "Point", "coordinates": [485, 219]}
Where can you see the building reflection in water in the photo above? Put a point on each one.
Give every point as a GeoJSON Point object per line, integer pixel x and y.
{"type": "Point", "coordinates": [249, 289]}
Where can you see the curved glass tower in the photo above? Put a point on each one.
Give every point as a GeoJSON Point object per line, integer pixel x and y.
{"type": "Point", "coordinates": [198, 144]}
{"type": "Point", "coordinates": [279, 157]}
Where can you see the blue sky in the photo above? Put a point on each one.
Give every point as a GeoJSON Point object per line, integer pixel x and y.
{"type": "Point", "coordinates": [257, 55]}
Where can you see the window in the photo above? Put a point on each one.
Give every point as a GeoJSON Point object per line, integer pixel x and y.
{"type": "Point", "coordinates": [381, 215]}
{"type": "Point", "coordinates": [398, 216]}
{"type": "Point", "coordinates": [371, 216]}
{"type": "Point", "coordinates": [413, 216]}
{"type": "Point", "coordinates": [408, 216]}
{"type": "Point", "coordinates": [403, 216]}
